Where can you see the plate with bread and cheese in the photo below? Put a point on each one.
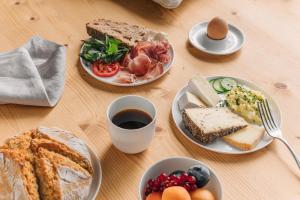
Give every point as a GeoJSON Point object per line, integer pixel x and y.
{"type": "Point", "coordinates": [121, 54]}
{"type": "Point", "coordinates": [220, 114]}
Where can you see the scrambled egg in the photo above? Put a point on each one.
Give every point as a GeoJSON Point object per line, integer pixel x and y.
{"type": "Point", "coordinates": [243, 101]}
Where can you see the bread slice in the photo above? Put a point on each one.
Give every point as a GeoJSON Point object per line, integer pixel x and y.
{"type": "Point", "coordinates": [128, 34]}
{"type": "Point", "coordinates": [64, 143]}
{"type": "Point", "coordinates": [61, 178]}
{"type": "Point", "coordinates": [246, 138]}
{"type": "Point", "coordinates": [207, 124]}
{"type": "Point", "coordinates": [17, 176]}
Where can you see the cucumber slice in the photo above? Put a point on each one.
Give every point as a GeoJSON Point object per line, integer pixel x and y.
{"type": "Point", "coordinates": [217, 85]}
{"type": "Point", "coordinates": [228, 84]}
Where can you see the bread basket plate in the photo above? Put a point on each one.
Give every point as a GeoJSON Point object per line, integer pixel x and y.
{"type": "Point", "coordinates": [219, 145]}
{"type": "Point", "coordinates": [95, 163]}
{"type": "Point", "coordinates": [111, 80]}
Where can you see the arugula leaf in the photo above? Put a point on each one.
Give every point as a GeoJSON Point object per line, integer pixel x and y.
{"type": "Point", "coordinates": [108, 51]}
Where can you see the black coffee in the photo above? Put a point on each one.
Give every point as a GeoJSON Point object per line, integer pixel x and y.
{"type": "Point", "coordinates": [132, 119]}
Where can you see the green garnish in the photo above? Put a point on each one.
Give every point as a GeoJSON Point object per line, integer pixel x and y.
{"type": "Point", "coordinates": [109, 50]}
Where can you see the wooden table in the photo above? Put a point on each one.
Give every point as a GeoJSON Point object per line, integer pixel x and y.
{"type": "Point", "coordinates": [270, 58]}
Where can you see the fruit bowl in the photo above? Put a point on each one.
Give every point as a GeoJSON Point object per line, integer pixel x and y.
{"type": "Point", "coordinates": [172, 164]}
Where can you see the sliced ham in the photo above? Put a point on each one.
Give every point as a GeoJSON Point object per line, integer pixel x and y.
{"type": "Point", "coordinates": [156, 50]}
{"type": "Point", "coordinates": [146, 61]}
{"type": "Point", "coordinates": [139, 65]}
{"type": "Point", "coordinates": [155, 71]}
{"type": "Point", "coordinates": [125, 77]}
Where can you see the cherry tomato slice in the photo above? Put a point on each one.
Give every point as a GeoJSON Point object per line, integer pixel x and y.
{"type": "Point", "coordinates": [105, 70]}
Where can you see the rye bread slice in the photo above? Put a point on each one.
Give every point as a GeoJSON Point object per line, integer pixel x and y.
{"type": "Point", "coordinates": [128, 34]}
{"type": "Point", "coordinates": [207, 124]}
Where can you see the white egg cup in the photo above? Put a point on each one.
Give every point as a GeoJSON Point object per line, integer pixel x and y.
{"type": "Point", "coordinates": [233, 41]}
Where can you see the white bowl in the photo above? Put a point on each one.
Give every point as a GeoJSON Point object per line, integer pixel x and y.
{"type": "Point", "coordinates": [179, 163]}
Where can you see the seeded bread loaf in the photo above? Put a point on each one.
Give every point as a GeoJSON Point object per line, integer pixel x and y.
{"type": "Point", "coordinates": [207, 124]}
{"type": "Point", "coordinates": [129, 34]}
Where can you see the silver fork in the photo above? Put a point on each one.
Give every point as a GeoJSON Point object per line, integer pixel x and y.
{"type": "Point", "coordinates": [272, 128]}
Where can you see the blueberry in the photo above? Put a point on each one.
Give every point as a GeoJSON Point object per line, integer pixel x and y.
{"type": "Point", "coordinates": [177, 173]}
{"type": "Point", "coordinates": [201, 173]}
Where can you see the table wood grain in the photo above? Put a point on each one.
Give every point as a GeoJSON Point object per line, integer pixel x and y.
{"type": "Point", "coordinates": [270, 58]}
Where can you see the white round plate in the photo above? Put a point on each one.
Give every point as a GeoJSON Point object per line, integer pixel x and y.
{"type": "Point", "coordinates": [169, 165]}
{"type": "Point", "coordinates": [111, 80]}
{"type": "Point", "coordinates": [97, 176]}
{"type": "Point", "coordinates": [232, 43]}
{"type": "Point", "coordinates": [219, 145]}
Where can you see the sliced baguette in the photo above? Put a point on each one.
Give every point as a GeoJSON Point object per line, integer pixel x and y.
{"type": "Point", "coordinates": [128, 34]}
{"type": "Point", "coordinates": [207, 124]}
{"type": "Point", "coordinates": [246, 138]}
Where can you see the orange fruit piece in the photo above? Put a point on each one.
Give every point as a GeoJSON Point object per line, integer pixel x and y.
{"type": "Point", "coordinates": [154, 196]}
{"type": "Point", "coordinates": [202, 194]}
{"type": "Point", "coordinates": [176, 193]}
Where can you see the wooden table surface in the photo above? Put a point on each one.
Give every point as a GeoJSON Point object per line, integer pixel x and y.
{"type": "Point", "coordinates": [270, 58]}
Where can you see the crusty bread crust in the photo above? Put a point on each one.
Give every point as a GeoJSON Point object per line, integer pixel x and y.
{"type": "Point", "coordinates": [206, 138]}
{"type": "Point", "coordinates": [128, 34]}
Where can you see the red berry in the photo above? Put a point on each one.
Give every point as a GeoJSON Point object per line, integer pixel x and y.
{"type": "Point", "coordinates": [191, 179]}
{"type": "Point", "coordinates": [148, 191]}
{"type": "Point", "coordinates": [162, 177]}
{"type": "Point", "coordinates": [194, 187]}
{"type": "Point", "coordinates": [150, 182]}
{"type": "Point", "coordinates": [187, 187]}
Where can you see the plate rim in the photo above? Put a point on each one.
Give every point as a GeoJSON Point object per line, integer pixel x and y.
{"type": "Point", "coordinates": [240, 152]}
{"type": "Point", "coordinates": [169, 66]}
{"type": "Point", "coordinates": [93, 156]}
{"type": "Point", "coordinates": [213, 52]}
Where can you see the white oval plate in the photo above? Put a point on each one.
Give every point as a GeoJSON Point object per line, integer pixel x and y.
{"type": "Point", "coordinates": [232, 43]}
{"type": "Point", "coordinates": [111, 80]}
{"type": "Point", "coordinates": [179, 163]}
{"type": "Point", "coordinates": [219, 145]}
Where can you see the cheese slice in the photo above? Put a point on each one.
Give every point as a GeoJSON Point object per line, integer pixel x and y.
{"type": "Point", "coordinates": [188, 100]}
{"type": "Point", "coordinates": [247, 138]}
{"type": "Point", "coordinates": [200, 87]}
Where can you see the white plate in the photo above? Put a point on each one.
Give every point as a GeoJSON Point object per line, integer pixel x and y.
{"type": "Point", "coordinates": [220, 145]}
{"type": "Point", "coordinates": [232, 43]}
{"type": "Point", "coordinates": [111, 80]}
{"type": "Point", "coordinates": [179, 163]}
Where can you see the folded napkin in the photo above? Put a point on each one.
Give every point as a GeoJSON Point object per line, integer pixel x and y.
{"type": "Point", "coordinates": [33, 74]}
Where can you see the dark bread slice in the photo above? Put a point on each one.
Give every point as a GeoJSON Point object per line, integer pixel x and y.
{"type": "Point", "coordinates": [208, 136]}
{"type": "Point", "coordinates": [128, 34]}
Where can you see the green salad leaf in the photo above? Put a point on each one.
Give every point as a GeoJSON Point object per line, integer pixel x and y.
{"type": "Point", "coordinates": [109, 50]}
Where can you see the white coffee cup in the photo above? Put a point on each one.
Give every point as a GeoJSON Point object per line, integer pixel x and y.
{"type": "Point", "coordinates": [131, 141]}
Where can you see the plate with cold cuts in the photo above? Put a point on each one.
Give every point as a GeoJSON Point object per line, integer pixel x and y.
{"type": "Point", "coordinates": [231, 129]}
{"type": "Point", "coordinates": [125, 55]}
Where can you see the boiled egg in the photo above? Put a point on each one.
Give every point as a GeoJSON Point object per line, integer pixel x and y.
{"type": "Point", "coordinates": [217, 29]}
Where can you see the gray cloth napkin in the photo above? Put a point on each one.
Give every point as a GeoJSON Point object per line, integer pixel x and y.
{"type": "Point", "coordinates": [33, 74]}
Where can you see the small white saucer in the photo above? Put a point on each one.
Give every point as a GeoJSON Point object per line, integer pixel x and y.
{"type": "Point", "coordinates": [232, 43]}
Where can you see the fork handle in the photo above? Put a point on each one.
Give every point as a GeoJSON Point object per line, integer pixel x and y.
{"type": "Point", "coordinates": [291, 150]}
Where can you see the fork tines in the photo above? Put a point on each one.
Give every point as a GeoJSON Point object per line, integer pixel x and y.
{"type": "Point", "coordinates": [266, 116]}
